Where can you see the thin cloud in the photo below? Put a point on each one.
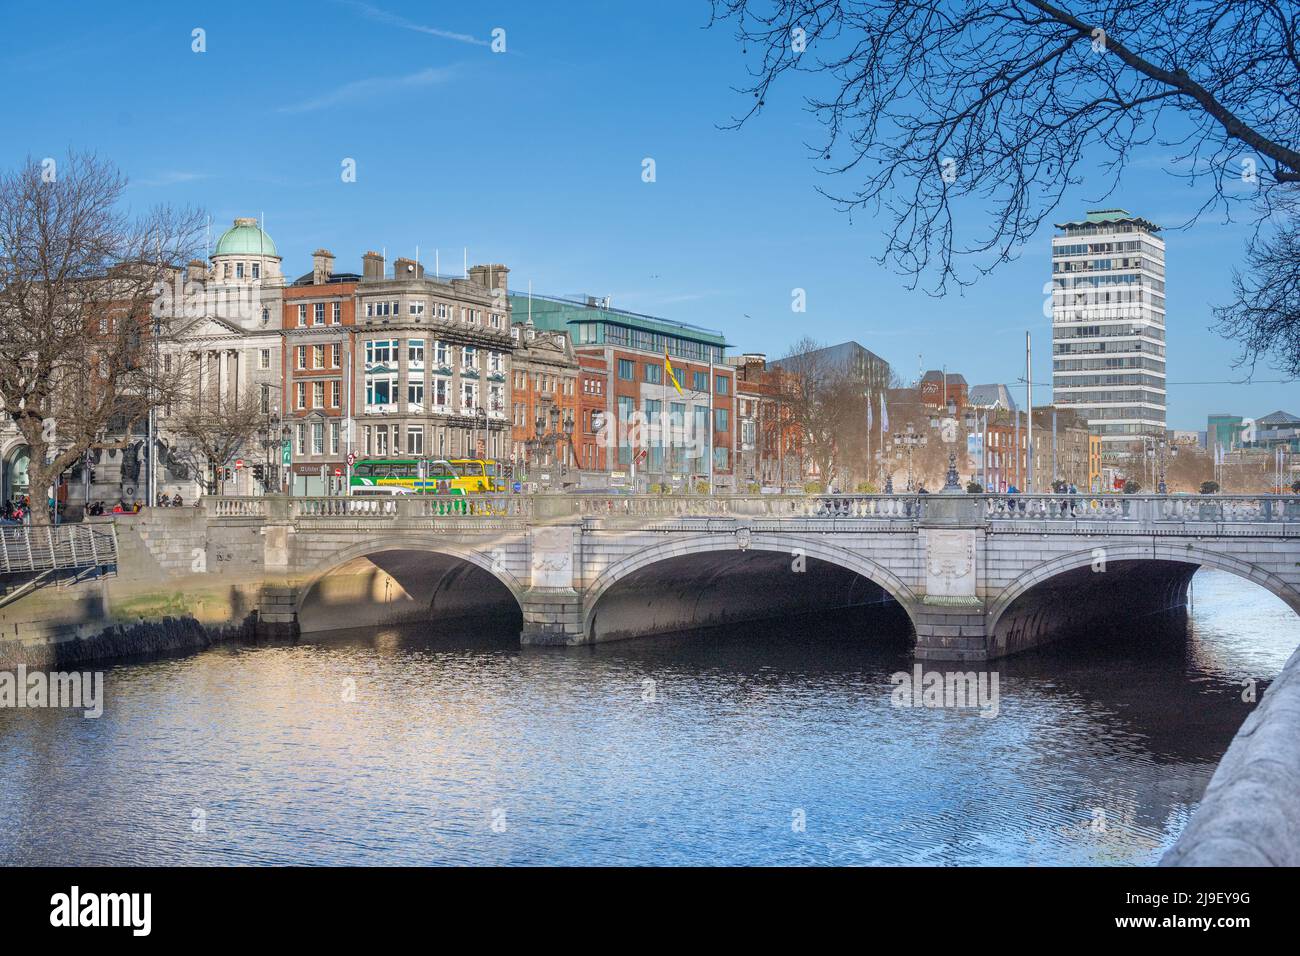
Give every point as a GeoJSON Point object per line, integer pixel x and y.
{"type": "Point", "coordinates": [359, 89]}
{"type": "Point", "coordinates": [171, 178]}
{"type": "Point", "coordinates": [393, 19]}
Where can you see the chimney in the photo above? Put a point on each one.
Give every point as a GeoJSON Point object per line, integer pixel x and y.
{"type": "Point", "coordinates": [197, 271]}
{"type": "Point", "coordinates": [492, 276]}
{"type": "Point", "coordinates": [407, 269]}
{"type": "Point", "coordinates": [372, 267]}
{"type": "Point", "coordinates": [322, 265]}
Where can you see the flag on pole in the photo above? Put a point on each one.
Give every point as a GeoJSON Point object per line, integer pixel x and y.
{"type": "Point", "coordinates": [668, 370]}
{"type": "Point", "coordinates": [884, 414]}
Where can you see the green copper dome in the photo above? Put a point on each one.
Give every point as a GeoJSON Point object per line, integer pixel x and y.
{"type": "Point", "coordinates": [245, 238]}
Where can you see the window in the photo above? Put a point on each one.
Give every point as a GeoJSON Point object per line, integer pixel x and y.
{"type": "Point", "coordinates": [625, 407]}
{"type": "Point", "coordinates": [264, 358]}
{"type": "Point", "coordinates": [381, 440]}
{"type": "Point", "coordinates": [335, 431]}
{"type": "Point", "coordinates": [380, 352]}
{"type": "Point", "coordinates": [496, 320]}
{"type": "Point", "coordinates": [381, 389]}
{"type": "Point", "coordinates": [469, 396]}
{"type": "Point", "coordinates": [415, 394]}
{"type": "Point", "coordinates": [469, 357]}
{"type": "Point", "coordinates": [265, 401]}
{"type": "Point", "coordinates": [700, 381]}
{"type": "Point", "coordinates": [318, 314]}
{"type": "Point", "coordinates": [301, 434]}
{"type": "Point", "coordinates": [441, 390]}
{"type": "Point", "coordinates": [494, 362]}
{"type": "Point", "coordinates": [415, 352]}
{"type": "Point", "coordinates": [720, 419]}
{"type": "Point", "coordinates": [654, 373]}
{"type": "Point", "coordinates": [300, 394]}
{"type": "Point", "coordinates": [318, 356]}
{"type": "Point", "coordinates": [318, 438]}
{"type": "Point", "coordinates": [302, 315]}
{"type": "Point", "coordinates": [415, 440]}
{"type": "Point", "coordinates": [416, 308]}
{"type": "Point", "coordinates": [336, 352]}
{"type": "Point", "coordinates": [317, 394]}
{"type": "Point", "coordinates": [338, 314]}
{"type": "Point", "coordinates": [239, 270]}
{"type": "Point", "coordinates": [336, 394]}
{"type": "Point", "coordinates": [302, 356]}
{"type": "Point", "coordinates": [257, 270]}
{"type": "Point", "coordinates": [720, 457]}
{"type": "Point", "coordinates": [266, 316]}
{"type": "Point", "coordinates": [626, 370]}
{"type": "Point", "coordinates": [723, 384]}
{"type": "Point", "coordinates": [440, 353]}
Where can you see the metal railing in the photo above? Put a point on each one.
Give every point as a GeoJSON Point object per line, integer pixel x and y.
{"type": "Point", "coordinates": [67, 546]}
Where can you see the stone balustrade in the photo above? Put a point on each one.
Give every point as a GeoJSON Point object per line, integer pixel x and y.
{"type": "Point", "coordinates": [1137, 509]}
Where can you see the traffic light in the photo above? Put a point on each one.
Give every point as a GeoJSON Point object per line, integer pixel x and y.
{"type": "Point", "coordinates": [259, 472]}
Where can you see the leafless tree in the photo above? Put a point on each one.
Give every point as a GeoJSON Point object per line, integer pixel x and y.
{"type": "Point", "coordinates": [995, 108]}
{"type": "Point", "coordinates": [820, 399]}
{"type": "Point", "coordinates": [78, 280]}
{"type": "Point", "coordinates": [207, 432]}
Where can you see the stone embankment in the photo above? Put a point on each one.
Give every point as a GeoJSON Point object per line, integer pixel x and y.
{"type": "Point", "coordinates": [1250, 814]}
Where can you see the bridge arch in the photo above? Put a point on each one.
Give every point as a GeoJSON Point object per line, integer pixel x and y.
{"type": "Point", "coordinates": [764, 552]}
{"type": "Point", "coordinates": [1184, 558]}
{"type": "Point", "coordinates": [421, 578]}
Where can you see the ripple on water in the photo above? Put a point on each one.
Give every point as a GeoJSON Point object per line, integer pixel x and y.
{"type": "Point", "coordinates": [760, 746]}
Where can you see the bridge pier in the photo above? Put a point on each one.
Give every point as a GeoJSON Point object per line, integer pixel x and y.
{"type": "Point", "coordinates": [950, 632]}
{"type": "Point", "coordinates": [277, 614]}
{"type": "Point", "coordinates": [552, 617]}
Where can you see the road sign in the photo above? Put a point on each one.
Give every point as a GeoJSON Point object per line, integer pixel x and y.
{"type": "Point", "coordinates": [284, 453]}
{"type": "Point", "coordinates": [518, 487]}
{"type": "Point", "coordinates": [352, 459]}
{"type": "Point", "coordinates": [239, 463]}
{"type": "Point", "coordinates": [338, 472]}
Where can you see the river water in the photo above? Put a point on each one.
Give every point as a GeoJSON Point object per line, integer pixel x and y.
{"type": "Point", "coordinates": [778, 744]}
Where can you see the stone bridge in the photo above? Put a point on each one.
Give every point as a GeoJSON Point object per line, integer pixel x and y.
{"type": "Point", "coordinates": [978, 576]}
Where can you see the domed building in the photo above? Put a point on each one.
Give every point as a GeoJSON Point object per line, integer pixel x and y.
{"type": "Point", "coordinates": [245, 253]}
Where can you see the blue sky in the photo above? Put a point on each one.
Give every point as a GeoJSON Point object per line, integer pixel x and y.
{"type": "Point", "coordinates": [534, 158]}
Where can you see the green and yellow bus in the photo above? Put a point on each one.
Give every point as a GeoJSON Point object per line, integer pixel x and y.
{"type": "Point", "coordinates": [429, 476]}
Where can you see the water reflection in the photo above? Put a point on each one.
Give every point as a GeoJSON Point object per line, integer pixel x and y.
{"type": "Point", "coordinates": [771, 744]}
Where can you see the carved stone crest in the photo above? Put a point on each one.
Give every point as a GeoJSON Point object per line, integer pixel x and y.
{"type": "Point", "coordinates": [742, 538]}
{"type": "Point", "coordinates": [950, 563]}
